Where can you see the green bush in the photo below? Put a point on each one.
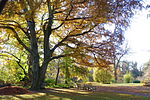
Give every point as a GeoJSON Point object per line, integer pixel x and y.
{"type": "Point", "coordinates": [112, 80]}
{"type": "Point", "coordinates": [128, 78]}
{"type": "Point", "coordinates": [2, 81]}
{"type": "Point", "coordinates": [136, 81]}
{"type": "Point", "coordinates": [62, 86]}
{"type": "Point", "coordinates": [103, 76]}
{"type": "Point", "coordinates": [49, 82]}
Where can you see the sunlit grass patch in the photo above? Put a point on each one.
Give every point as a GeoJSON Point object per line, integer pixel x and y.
{"type": "Point", "coordinates": [22, 96]}
{"type": "Point", "coordinates": [72, 94]}
{"type": "Point", "coordinates": [73, 91]}
{"type": "Point", "coordinates": [34, 95]}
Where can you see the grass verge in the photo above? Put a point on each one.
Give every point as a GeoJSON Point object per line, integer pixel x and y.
{"type": "Point", "coordinates": [71, 94]}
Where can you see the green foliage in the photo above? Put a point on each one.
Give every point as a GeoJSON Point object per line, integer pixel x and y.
{"type": "Point", "coordinates": [62, 86]}
{"type": "Point", "coordinates": [2, 81]}
{"type": "Point", "coordinates": [103, 76]}
{"type": "Point", "coordinates": [128, 78]}
{"type": "Point", "coordinates": [10, 70]}
{"type": "Point", "coordinates": [80, 71]}
{"type": "Point", "coordinates": [145, 77]}
{"type": "Point", "coordinates": [136, 81]}
{"type": "Point", "coordinates": [49, 82]}
{"type": "Point", "coordinates": [9, 74]}
{"type": "Point", "coordinates": [112, 80]}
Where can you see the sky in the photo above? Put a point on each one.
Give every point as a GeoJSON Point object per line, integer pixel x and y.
{"type": "Point", "coordinates": [138, 37]}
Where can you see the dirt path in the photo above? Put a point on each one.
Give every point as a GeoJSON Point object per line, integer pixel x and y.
{"type": "Point", "coordinates": [133, 90]}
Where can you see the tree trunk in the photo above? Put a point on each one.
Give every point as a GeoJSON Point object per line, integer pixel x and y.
{"type": "Point", "coordinates": [35, 84]}
{"type": "Point", "coordinates": [58, 70]}
{"type": "Point", "coordinates": [115, 71]}
{"type": "Point", "coordinates": [42, 75]}
{"type": "Point", "coordinates": [115, 75]}
{"type": "Point", "coordinates": [67, 74]}
{"type": "Point", "coordinates": [116, 66]}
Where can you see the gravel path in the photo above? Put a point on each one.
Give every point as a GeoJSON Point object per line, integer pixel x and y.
{"type": "Point", "coordinates": [127, 90]}
{"type": "Point", "coordinates": [132, 93]}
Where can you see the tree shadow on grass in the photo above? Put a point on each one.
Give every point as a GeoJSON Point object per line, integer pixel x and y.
{"type": "Point", "coordinates": [72, 94]}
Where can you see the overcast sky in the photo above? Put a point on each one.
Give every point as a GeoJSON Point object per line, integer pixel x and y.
{"type": "Point", "coordinates": [138, 37]}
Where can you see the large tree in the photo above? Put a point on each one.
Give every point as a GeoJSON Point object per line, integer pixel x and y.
{"type": "Point", "coordinates": [118, 52]}
{"type": "Point", "coordinates": [45, 28]}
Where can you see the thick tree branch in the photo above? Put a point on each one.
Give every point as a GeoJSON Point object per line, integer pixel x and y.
{"type": "Point", "coordinates": [54, 57]}
{"type": "Point", "coordinates": [50, 19]}
{"type": "Point", "coordinates": [17, 25]}
{"type": "Point", "coordinates": [17, 37]}
{"type": "Point", "coordinates": [59, 43]}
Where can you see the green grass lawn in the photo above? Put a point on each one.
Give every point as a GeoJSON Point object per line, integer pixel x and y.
{"type": "Point", "coordinates": [117, 84]}
{"type": "Point", "coordinates": [70, 94]}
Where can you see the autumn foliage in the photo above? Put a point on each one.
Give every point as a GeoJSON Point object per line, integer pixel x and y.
{"type": "Point", "coordinates": [44, 29]}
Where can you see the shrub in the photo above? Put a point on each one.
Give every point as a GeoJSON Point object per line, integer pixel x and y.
{"type": "Point", "coordinates": [136, 81]}
{"type": "Point", "coordinates": [2, 81]}
{"type": "Point", "coordinates": [128, 78]}
{"type": "Point", "coordinates": [112, 80]}
{"type": "Point", "coordinates": [62, 86]}
{"type": "Point", "coordinates": [49, 82]}
{"type": "Point", "coordinates": [103, 76]}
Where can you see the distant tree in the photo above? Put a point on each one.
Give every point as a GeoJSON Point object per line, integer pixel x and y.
{"type": "Point", "coordinates": [129, 67]}
{"type": "Point", "coordinates": [128, 77]}
{"type": "Point", "coordinates": [136, 72]}
{"type": "Point", "coordinates": [145, 77]}
{"type": "Point", "coordinates": [103, 76]}
{"type": "Point", "coordinates": [118, 54]}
